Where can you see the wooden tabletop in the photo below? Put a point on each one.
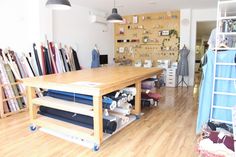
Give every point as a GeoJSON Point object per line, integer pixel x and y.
{"type": "Point", "coordinates": [96, 81]}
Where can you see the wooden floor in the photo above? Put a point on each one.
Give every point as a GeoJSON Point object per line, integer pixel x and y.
{"type": "Point", "coordinates": [165, 131]}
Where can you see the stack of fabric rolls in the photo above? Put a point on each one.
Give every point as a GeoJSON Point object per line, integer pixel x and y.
{"type": "Point", "coordinates": [116, 108]}
{"type": "Point", "coordinates": [149, 98]}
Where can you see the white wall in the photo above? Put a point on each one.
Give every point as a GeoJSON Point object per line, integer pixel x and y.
{"type": "Point", "coordinates": [185, 32]}
{"type": "Point", "coordinates": [197, 16]}
{"type": "Point", "coordinates": [188, 33]}
{"type": "Point", "coordinates": [14, 22]}
{"type": "Point", "coordinates": [24, 22]}
{"type": "Point", "coordinates": [73, 27]}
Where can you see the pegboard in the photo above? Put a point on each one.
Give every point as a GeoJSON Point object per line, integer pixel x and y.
{"type": "Point", "coordinates": [151, 36]}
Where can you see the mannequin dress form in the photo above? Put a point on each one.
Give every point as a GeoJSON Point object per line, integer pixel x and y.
{"type": "Point", "coordinates": [183, 65]}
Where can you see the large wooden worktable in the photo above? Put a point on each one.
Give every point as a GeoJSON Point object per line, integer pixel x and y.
{"type": "Point", "coordinates": [108, 79]}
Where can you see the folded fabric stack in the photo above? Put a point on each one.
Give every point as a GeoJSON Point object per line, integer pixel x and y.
{"type": "Point", "coordinates": [149, 98]}
{"type": "Point", "coordinates": [216, 141]}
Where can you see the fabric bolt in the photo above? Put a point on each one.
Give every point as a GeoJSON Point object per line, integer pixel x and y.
{"type": "Point", "coordinates": [20, 66]}
{"type": "Point", "coordinates": [33, 64]}
{"type": "Point", "coordinates": [67, 62]}
{"type": "Point", "coordinates": [43, 60]}
{"type": "Point", "coordinates": [47, 62]}
{"type": "Point", "coordinates": [84, 99]}
{"type": "Point", "coordinates": [30, 66]}
{"type": "Point", "coordinates": [15, 70]}
{"type": "Point", "coordinates": [183, 62]}
{"type": "Point", "coordinates": [8, 91]}
{"type": "Point", "coordinates": [76, 60]}
{"type": "Point", "coordinates": [49, 56]}
{"type": "Point", "coordinates": [206, 87]}
{"type": "Point", "coordinates": [14, 87]}
{"type": "Point", "coordinates": [95, 59]}
{"type": "Point", "coordinates": [71, 59]}
{"type": "Point", "coordinates": [78, 119]}
{"type": "Point", "coordinates": [52, 56]}
{"type": "Point", "coordinates": [37, 60]}
{"type": "Point", "coordinates": [13, 66]}
{"type": "Point", "coordinates": [59, 61]}
{"type": "Point", "coordinates": [27, 66]}
{"type": "Point", "coordinates": [64, 58]}
{"type": "Point", "coordinates": [67, 55]}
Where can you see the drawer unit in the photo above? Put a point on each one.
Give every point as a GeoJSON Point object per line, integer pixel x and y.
{"type": "Point", "coordinates": [171, 77]}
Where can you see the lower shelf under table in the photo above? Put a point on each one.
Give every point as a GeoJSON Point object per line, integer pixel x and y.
{"type": "Point", "coordinates": [75, 137]}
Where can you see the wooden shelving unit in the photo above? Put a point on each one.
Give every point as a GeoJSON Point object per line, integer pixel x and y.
{"type": "Point", "coordinates": [3, 100]}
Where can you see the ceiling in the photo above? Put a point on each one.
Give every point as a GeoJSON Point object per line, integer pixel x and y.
{"type": "Point", "coordinates": [128, 7]}
{"type": "Point", "coordinates": [204, 29]}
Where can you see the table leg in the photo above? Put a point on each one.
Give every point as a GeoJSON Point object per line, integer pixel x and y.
{"type": "Point", "coordinates": [32, 108]}
{"type": "Point", "coordinates": [137, 109]}
{"type": "Point", "coordinates": [98, 119]}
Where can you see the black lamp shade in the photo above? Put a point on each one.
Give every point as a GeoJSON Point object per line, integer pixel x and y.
{"type": "Point", "coordinates": [58, 4]}
{"type": "Point", "coordinates": [115, 17]}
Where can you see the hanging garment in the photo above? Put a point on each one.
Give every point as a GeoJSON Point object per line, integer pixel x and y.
{"type": "Point", "coordinates": [206, 87]}
{"type": "Point", "coordinates": [228, 40]}
{"type": "Point", "coordinates": [95, 59]}
{"type": "Point", "coordinates": [183, 62]}
{"type": "Point", "coordinates": [37, 60]}
{"type": "Point", "coordinates": [76, 60]}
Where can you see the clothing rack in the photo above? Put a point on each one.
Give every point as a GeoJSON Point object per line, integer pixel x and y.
{"type": "Point", "coordinates": [223, 13]}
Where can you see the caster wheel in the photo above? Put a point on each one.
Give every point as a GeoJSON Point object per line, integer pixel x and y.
{"type": "Point", "coordinates": [137, 117]}
{"type": "Point", "coordinates": [95, 148]}
{"type": "Point", "coordinates": [32, 128]}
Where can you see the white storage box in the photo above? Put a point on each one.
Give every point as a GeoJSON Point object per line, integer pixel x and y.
{"type": "Point", "coordinates": [171, 77]}
{"type": "Point", "coordinates": [163, 64]}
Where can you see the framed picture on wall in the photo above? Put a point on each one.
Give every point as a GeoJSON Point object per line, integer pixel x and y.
{"type": "Point", "coordinates": [135, 19]}
{"type": "Point", "coordinates": [165, 33]}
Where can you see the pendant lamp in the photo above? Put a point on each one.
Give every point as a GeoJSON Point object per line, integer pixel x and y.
{"type": "Point", "coordinates": [58, 4]}
{"type": "Point", "coordinates": [114, 17]}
